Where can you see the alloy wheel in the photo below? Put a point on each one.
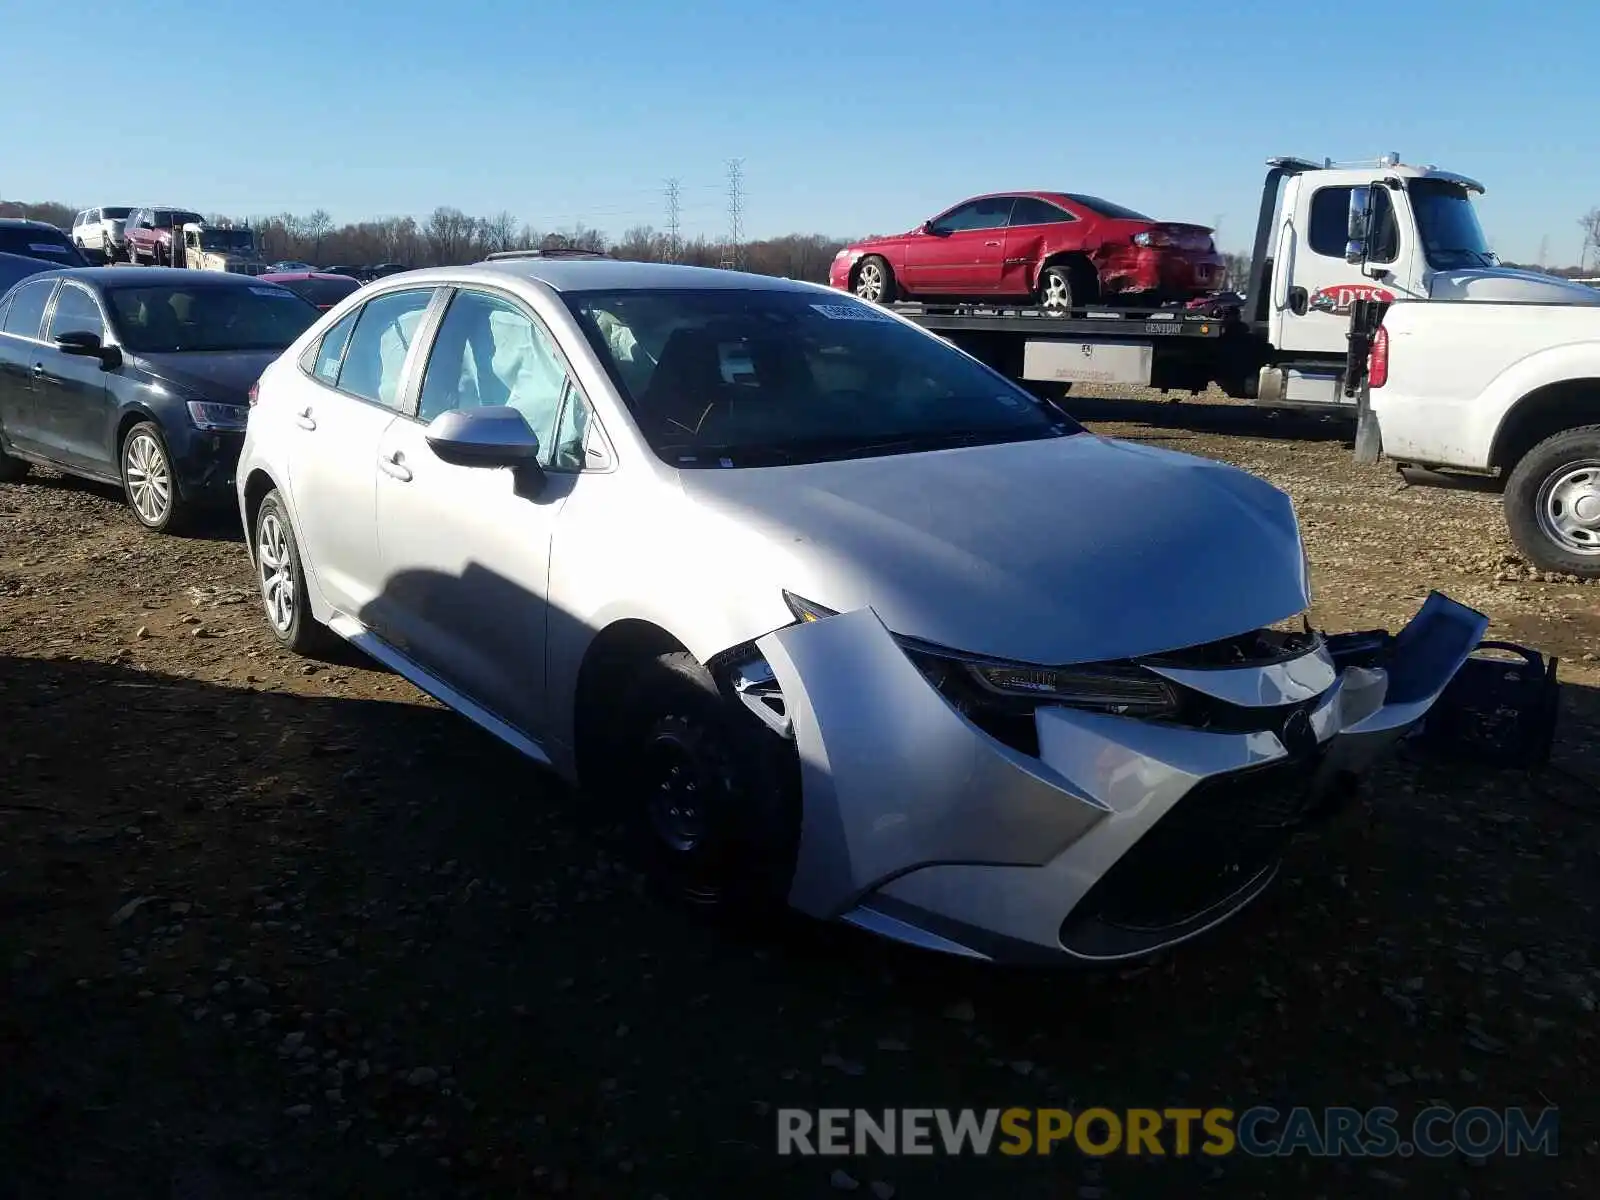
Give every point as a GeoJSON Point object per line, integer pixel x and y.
{"type": "Point", "coordinates": [275, 568]}
{"type": "Point", "coordinates": [149, 477]}
{"type": "Point", "coordinates": [1057, 293]}
{"type": "Point", "coordinates": [869, 282]}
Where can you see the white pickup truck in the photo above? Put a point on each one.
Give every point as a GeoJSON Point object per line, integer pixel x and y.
{"type": "Point", "coordinates": [1489, 388]}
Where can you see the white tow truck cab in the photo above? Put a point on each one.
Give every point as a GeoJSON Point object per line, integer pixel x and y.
{"type": "Point", "coordinates": [1378, 230]}
{"type": "Point", "coordinates": [1327, 235]}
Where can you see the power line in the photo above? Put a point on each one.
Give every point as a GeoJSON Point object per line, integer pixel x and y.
{"type": "Point", "coordinates": [734, 259]}
{"type": "Point", "coordinates": [673, 214]}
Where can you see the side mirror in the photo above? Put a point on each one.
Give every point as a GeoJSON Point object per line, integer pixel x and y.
{"type": "Point", "coordinates": [496, 436]}
{"type": "Point", "coordinates": [1356, 224]}
{"type": "Point", "coordinates": [932, 230]}
{"type": "Point", "coordinates": [84, 344]}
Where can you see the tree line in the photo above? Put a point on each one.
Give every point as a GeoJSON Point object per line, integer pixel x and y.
{"type": "Point", "coordinates": [449, 237]}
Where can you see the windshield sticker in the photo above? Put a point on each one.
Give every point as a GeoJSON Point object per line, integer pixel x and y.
{"type": "Point", "coordinates": [850, 312]}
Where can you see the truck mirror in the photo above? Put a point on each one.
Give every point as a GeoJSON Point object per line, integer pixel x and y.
{"type": "Point", "coordinates": [1355, 248]}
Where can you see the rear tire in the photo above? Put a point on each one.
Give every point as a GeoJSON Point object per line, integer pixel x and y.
{"type": "Point", "coordinates": [1552, 503]}
{"type": "Point", "coordinates": [874, 281]}
{"type": "Point", "coordinates": [1066, 285]}
{"type": "Point", "coordinates": [281, 580]}
{"type": "Point", "coordinates": [710, 797]}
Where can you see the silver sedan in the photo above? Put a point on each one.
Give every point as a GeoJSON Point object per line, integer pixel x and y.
{"type": "Point", "coordinates": [837, 616]}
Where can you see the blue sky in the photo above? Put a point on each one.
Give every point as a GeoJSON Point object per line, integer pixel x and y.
{"type": "Point", "coordinates": [851, 117]}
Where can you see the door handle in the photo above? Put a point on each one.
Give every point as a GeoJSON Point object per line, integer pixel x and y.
{"type": "Point", "coordinates": [304, 419]}
{"type": "Point", "coordinates": [38, 370]}
{"type": "Point", "coordinates": [394, 465]}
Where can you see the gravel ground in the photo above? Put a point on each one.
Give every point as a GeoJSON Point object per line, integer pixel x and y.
{"type": "Point", "coordinates": [271, 928]}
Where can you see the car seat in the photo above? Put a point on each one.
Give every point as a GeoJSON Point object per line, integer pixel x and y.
{"type": "Point", "coordinates": [686, 384]}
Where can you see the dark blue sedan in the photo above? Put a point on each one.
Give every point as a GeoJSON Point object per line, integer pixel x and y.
{"type": "Point", "coordinates": [138, 376]}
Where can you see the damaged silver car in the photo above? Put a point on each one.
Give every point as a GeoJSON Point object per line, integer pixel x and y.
{"type": "Point", "coordinates": [837, 616]}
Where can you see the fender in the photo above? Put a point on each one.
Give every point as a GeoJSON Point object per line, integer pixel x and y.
{"type": "Point", "coordinates": [1487, 419]}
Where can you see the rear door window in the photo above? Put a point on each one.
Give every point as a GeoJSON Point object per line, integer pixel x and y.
{"type": "Point", "coordinates": [26, 314]}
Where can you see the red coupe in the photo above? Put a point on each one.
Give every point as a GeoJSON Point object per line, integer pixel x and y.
{"type": "Point", "coordinates": [1059, 249]}
{"type": "Point", "coordinates": [320, 287]}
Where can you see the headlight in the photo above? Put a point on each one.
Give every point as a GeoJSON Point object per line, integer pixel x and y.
{"type": "Point", "coordinates": [971, 682]}
{"type": "Point", "coordinates": [209, 415]}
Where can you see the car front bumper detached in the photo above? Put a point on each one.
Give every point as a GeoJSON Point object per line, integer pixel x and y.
{"type": "Point", "coordinates": [1122, 835]}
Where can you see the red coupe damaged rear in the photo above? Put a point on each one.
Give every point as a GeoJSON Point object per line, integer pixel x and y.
{"type": "Point", "coordinates": [1057, 249]}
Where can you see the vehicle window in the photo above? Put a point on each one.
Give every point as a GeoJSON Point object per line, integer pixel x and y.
{"type": "Point", "coordinates": [76, 312]}
{"type": "Point", "coordinates": [116, 214]}
{"type": "Point", "coordinates": [178, 318]}
{"type": "Point", "coordinates": [1447, 224]}
{"type": "Point", "coordinates": [488, 353]}
{"type": "Point", "coordinates": [566, 450]}
{"type": "Point", "coordinates": [989, 213]}
{"type": "Point", "coordinates": [379, 343]}
{"type": "Point", "coordinates": [330, 350]}
{"type": "Point", "coordinates": [1105, 208]}
{"type": "Point", "coordinates": [1030, 210]}
{"type": "Point", "coordinates": [1330, 221]}
{"type": "Point", "coordinates": [36, 242]}
{"type": "Point", "coordinates": [751, 377]}
{"type": "Point", "coordinates": [28, 302]}
{"type": "Point", "coordinates": [324, 293]}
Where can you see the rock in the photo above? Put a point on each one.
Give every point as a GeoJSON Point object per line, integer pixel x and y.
{"type": "Point", "coordinates": [127, 910]}
{"type": "Point", "coordinates": [1386, 1177]}
{"type": "Point", "coordinates": [894, 1045]}
{"type": "Point", "coordinates": [297, 1111]}
{"type": "Point", "coordinates": [422, 1077]}
{"type": "Point", "coordinates": [1514, 961]}
{"type": "Point", "coordinates": [961, 1010]}
{"type": "Point", "coordinates": [843, 1181]}
{"type": "Point", "coordinates": [882, 1190]}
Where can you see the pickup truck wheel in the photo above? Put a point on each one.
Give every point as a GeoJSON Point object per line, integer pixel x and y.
{"type": "Point", "coordinates": [875, 281]}
{"type": "Point", "coordinates": [1552, 502]}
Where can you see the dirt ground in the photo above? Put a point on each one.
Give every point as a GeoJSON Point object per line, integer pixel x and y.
{"type": "Point", "coordinates": [271, 928]}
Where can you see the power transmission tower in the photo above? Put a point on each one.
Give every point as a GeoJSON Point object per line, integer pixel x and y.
{"type": "Point", "coordinates": [1544, 249]}
{"type": "Point", "coordinates": [673, 220]}
{"type": "Point", "coordinates": [734, 258]}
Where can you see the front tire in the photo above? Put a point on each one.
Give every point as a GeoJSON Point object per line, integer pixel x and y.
{"type": "Point", "coordinates": [875, 282]}
{"type": "Point", "coordinates": [281, 579]}
{"type": "Point", "coordinates": [1552, 503]}
{"type": "Point", "coordinates": [149, 483]}
{"type": "Point", "coordinates": [711, 797]}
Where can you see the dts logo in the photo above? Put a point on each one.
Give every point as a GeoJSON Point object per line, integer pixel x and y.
{"type": "Point", "coordinates": [1338, 299]}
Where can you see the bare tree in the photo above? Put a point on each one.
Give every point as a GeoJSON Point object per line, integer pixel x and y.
{"type": "Point", "coordinates": [1590, 224]}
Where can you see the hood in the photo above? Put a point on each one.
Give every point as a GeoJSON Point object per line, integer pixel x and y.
{"type": "Point", "coordinates": [1065, 550]}
{"type": "Point", "coordinates": [1509, 285]}
{"type": "Point", "coordinates": [221, 375]}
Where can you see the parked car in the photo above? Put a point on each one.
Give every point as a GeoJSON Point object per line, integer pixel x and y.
{"type": "Point", "coordinates": [14, 267]}
{"type": "Point", "coordinates": [384, 270]}
{"type": "Point", "coordinates": [1057, 249]}
{"type": "Point", "coordinates": [148, 233]}
{"type": "Point", "coordinates": [222, 248]}
{"type": "Point", "coordinates": [138, 377]}
{"type": "Point", "coordinates": [39, 240]}
{"type": "Point", "coordinates": [319, 287]}
{"type": "Point", "coordinates": [354, 272]}
{"type": "Point", "coordinates": [99, 231]}
{"type": "Point", "coordinates": [283, 266]}
{"type": "Point", "coordinates": [836, 615]}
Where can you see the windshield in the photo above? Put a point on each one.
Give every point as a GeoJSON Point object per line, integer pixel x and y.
{"type": "Point", "coordinates": [170, 219]}
{"type": "Point", "coordinates": [155, 320]}
{"type": "Point", "coordinates": [34, 242]}
{"type": "Point", "coordinates": [1107, 209]}
{"type": "Point", "coordinates": [241, 240]}
{"type": "Point", "coordinates": [735, 378]}
{"type": "Point", "coordinates": [1448, 225]}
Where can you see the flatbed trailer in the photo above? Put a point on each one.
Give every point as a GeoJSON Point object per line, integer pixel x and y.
{"type": "Point", "coordinates": [1328, 237]}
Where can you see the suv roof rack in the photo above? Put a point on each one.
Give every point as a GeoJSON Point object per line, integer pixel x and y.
{"type": "Point", "coordinates": [548, 252]}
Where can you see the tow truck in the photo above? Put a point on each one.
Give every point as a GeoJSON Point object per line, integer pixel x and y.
{"type": "Point", "coordinates": [1328, 235]}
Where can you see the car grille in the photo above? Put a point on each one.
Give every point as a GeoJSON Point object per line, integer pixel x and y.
{"type": "Point", "coordinates": [1217, 838]}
